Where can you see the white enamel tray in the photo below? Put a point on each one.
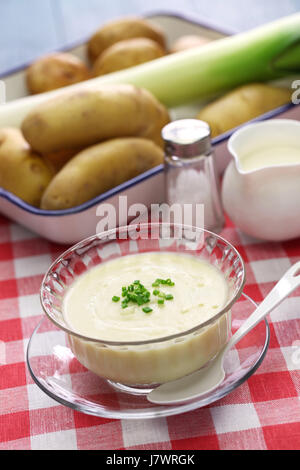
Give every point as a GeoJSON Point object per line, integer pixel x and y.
{"type": "Point", "coordinates": [72, 225]}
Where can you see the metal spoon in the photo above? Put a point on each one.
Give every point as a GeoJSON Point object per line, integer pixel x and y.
{"type": "Point", "coordinates": [207, 379]}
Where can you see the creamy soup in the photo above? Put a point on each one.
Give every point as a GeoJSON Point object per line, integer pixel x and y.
{"type": "Point", "coordinates": [270, 156]}
{"type": "Point", "coordinates": [94, 305]}
{"type": "Point", "coordinates": [175, 293]}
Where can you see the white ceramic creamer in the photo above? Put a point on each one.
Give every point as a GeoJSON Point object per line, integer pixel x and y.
{"type": "Point", "coordinates": [261, 185]}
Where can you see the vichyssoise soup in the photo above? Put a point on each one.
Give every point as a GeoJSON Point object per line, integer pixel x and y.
{"type": "Point", "coordinates": [144, 297]}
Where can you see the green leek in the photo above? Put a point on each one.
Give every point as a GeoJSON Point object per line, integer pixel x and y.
{"type": "Point", "coordinates": [262, 54]}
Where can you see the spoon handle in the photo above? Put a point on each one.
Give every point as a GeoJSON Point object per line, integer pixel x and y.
{"type": "Point", "coordinates": [287, 284]}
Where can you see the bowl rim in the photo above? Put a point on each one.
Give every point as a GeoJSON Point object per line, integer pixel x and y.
{"type": "Point", "coordinates": [163, 339]}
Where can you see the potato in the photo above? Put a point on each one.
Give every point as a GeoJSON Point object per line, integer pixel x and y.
{"type": "Point", "coordinates": [241, 105]}
{"type": "Point", "coordinates": [22, 172]}
{"type": "Point", "coordinates": [57, 160]}
{"type": "Point", "coordinates": [127, 53]}
{"type": "Point", "coordinates": [78, 119]}
{"type": "Point", "coordinates": [118, 30]}
{"type": "Point", "coordinates": [98, 169]}
{"type": "Point", "coordinates": [188, 42]}
{"type": "Point", "coordinates": [55, 71]}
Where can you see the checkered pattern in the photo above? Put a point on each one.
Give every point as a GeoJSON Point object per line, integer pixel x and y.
{"type": "Point", "coordinates": [263, 413]}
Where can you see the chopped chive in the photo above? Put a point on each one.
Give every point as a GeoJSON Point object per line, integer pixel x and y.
{"type": "Point", "coordinates": [169, 297]}
{"type": "Point", "coordinates": [138, 294]}
{"type": "Point", "coordinates": [147, 310]}
{"type": "Point", "coordinates": [132, 297]}
{"type": "Point", "coordinates": [164, 282]}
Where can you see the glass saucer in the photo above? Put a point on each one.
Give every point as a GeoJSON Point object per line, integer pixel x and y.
{"type": "Point", "coordinates": [58, 373]}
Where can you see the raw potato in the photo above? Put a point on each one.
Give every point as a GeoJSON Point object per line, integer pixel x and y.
{"type": "Point", "coordinates": [98, 169]}
{"type": "Point", "coordinates": [188, 42]}
{"type": "Point", "coordinates": [78, 119]}
{"type": "Point", "coordinates": [241, 105]}
{"type": "Point", "coordinates": [57, 160]}
{"type": "Point", "coordinates": [118, 30]}
{"type": "Point", "coordinates": [55, 71]}
{"type": "Point", "coordinates": [22, 172]}
{"type": "Point", "coordinates": [127, 53]}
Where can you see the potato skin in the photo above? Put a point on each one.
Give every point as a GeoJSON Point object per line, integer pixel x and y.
{"type": "Point", "coordinates": [118, 30]}
{"type": "Point", "coordinates": [57, 160]}
{"type": "Point", "coordinates": [98, 169]}
{"type": "Point", "coordinates": [125, 54]}
{"type": "Point", "coordinates": [241, 105]}
{"type": "Point", "coordinates": [78, 119]}
{"type": "Point", "coordinates": [54, 71]}
{"type": "Point", "coordinates": [22, 172]}
{"type": "Point", "coordinates": [188, 42]}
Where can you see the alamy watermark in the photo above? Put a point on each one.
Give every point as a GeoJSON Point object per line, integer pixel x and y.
{"type": "Point", "coordinates": [164, 221]}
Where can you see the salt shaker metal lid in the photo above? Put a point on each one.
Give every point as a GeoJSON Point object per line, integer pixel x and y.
{"type": "Point", "coordinates": [187, 138]}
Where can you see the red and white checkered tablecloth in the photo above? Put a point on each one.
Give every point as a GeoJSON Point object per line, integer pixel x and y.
{"type": "Point", "coordinates": [263, 413]}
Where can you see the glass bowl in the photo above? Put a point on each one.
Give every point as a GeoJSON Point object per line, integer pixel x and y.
{"type": "Point", "coordinates": [57, 373]}
{"type": "Point", "coordinates": [138, 366]}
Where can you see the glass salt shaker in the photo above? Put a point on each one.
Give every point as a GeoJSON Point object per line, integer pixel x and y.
{"type": "Point", "coordinates": [190, 174]}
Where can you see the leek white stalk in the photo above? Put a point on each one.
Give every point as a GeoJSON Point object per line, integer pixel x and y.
{"type": "Point", "coordinates": [264, 53]}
